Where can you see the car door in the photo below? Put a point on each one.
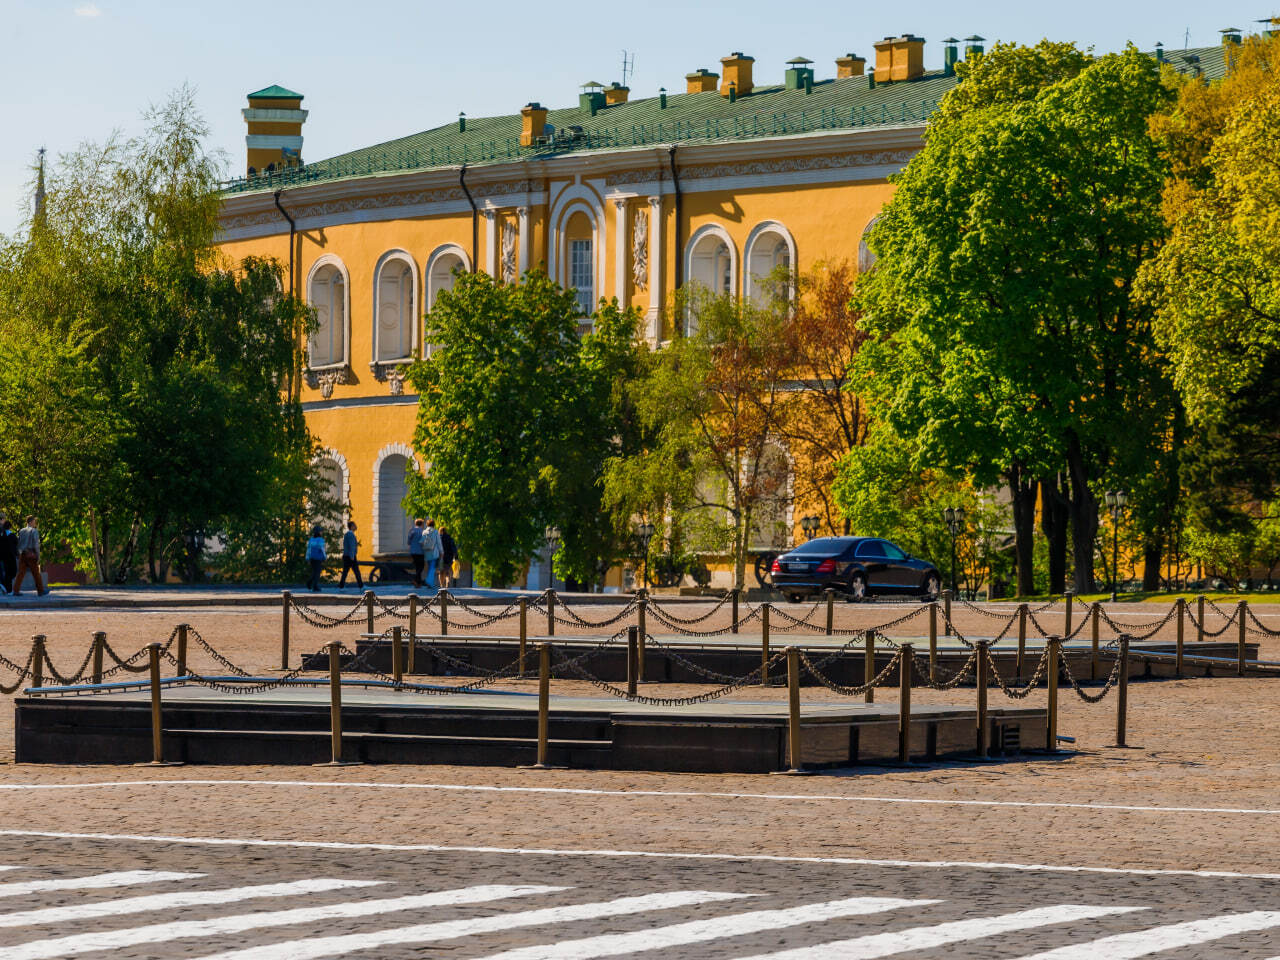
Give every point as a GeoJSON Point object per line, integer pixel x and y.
{"type": "Point", "coordinates": [899, 572]}
{"type": "Point", "coordinates": [870, 555]}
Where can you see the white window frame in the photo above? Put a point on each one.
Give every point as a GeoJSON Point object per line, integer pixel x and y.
{"type": "Point", "coordinates": [445, 250]}
{"type": "Point", "coordinates": [329, 260]}
{"type": "Point", "coordinates": [700, 235]}
{"type": "Point", "coordinates": [762, 232]}
{"type": "Point", "coordinates": [582, 273]}
{"type": "Point", "coordinates": [399, 257]}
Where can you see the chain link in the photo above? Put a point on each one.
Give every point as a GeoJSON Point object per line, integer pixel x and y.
{"type": "Point", "coordinates": [1019, 693]}
{"type": "Point", "coordinates": [857, 691]}
{"type": "Point", "coordinates": [616, 691]}
{"type": "Point", "coordinates": [924, 673]}
{"type": "Point", "coordinates": [1106, 687]}
{"type": "Point", "coordinates": [323, 621]}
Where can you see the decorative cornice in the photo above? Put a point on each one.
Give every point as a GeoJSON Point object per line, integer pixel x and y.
{"type": "Point", "coordinates": [763, 167]}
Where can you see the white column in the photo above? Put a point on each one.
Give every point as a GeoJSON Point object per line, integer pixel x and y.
{"type": "Point", "coordinates": [620, 242]}
{"type": "Point", "coordinates": [654, 314]}
{"type": "Point", "coordinates": [522, 238]}
{"type": "Point", "coordinates": [491, 242]}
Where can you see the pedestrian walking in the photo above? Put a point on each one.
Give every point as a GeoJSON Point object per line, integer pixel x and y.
{"type": "Point", "coordinates": [415, 551]}
{"type": "Point", "coordinates": [431, 550]}
{"type": "Point", "coordinates": [448, 554]}
{"type": "Point", "coordinates": [29, 557]}
{"type": "Point", "coordinates": [349, 562]}
{"type": "Point", "coordinates": [315, 557]}
{"type": "Point", "coordinates": [8, 555]}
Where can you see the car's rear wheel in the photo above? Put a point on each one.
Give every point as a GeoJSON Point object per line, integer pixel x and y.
{"type": "Point", "coordinates": [794, 598]}
{"type": "Point", "coordinates": [932, 587]}
{"type": "Point", "coordinates": [857, 587]}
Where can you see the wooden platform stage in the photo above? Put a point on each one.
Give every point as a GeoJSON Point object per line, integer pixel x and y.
{"type": "Point", "coordinates": [676, 659]}
{"type": "Point", "coordinates": [291, 726]}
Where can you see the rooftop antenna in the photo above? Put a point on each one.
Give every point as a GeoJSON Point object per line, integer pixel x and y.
{"type": "Point", "coordinates": [1186, 40]}
{"type": "Point", "coordinates": [628, 66]}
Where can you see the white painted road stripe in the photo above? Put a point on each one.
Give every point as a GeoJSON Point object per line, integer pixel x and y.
{"type": "Point", "coordinates": [639, 854]}
{"type": "Point", "coordinates": [99, 881]}
{"type": "Point", "coordinates": [169, 901]}
{"type": "Point", "coordinates": [957, 931]}
{"type": "Point", "coordinates": [700, 931]}
{"type": "Point", "coordinates": [688, 794]}
{"type": "Point", "coordinates": [1142, 943]}
{"type": "Point", "coordinates": [315, 947]}
{"type": "Point", "coordinates": [221, 926]}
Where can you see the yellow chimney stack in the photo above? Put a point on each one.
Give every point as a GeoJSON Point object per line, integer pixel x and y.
{"type": "Point", "coordinates": [737, 74]}
{"type": "Point", "coordinates": [850, 65]}
{"type": "Point", "coordinates": [899, 58]}
{"type": "Point", "coordinates": [274, 139]}
{"type": "Point", "coordinates": [616, 93]}
{"type": "Point", "coordinates": [701, 80]}
{"type": "Point", "coordinates": [534, 121]}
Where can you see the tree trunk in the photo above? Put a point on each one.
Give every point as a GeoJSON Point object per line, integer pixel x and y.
{"type": "Point", "coordinates": [1151, 554]}
{"type": "Point", "coordinates": [1084, 518]}
{"type": "Point", "coordinates": [1054, 510]}
{"type": "Point", "coordinates": [1024, 528]}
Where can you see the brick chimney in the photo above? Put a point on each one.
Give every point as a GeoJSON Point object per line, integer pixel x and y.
{"type": "Point", "coordinates": [850, 65]}
{"type": "Point", "coordinates": [899, 58]}
{"type": "Point", "coordinates": [737, 73]}
{"type": "Point", "coordinates": [534, 120]}
{"type": "Point", "coordinates": [616, 93]}
{"type": "Point", "coordinates": [274, 139]}
{"type": "Point", "coordinates": [701, 80]}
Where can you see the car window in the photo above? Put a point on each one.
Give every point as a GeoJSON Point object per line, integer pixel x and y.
{"type": "Point", "coordinates": [891, 551]}
{"type": "Point", "coordinates": [870, 548]}
{"type": "Point", "coordinates": [821, 547]}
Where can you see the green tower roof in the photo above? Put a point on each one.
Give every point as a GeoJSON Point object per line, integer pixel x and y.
{"type": "Point", "coordinates": [275, 92]}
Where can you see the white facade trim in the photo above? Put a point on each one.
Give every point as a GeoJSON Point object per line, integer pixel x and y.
{"type": "Point", "coordinates": [344, 493]}
{"type": "Point", "coordinates": [570, 200]}
{"type": "Point", "coordinates": [331, 259]}
{"type": "Point", "coordinates": [757, 232]}
{"type": "Point", "coordinates": [274, 115]}
{"type": "Point", "coordinates": [491, 241]}
{"type": "Point", "coordinates": [656, 253]}
{"type": "Point", "coordinates": [712, 230]}
{"type": "Point", "coordinates": [522, 239]}
{"type": "Point", "coordinates": [391, 449]}
{"type": "Point", "coordinates": [272, 141]}
{"type": "Point", "coordinates": [405, 257]}
{"type": "Point", "coordinates": [621, 244]}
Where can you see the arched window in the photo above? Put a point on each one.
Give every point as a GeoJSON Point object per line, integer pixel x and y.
{"type": "Point", "coordinates": [579, 234]}
{"type": "Point", "coordinates": [772, 495]}
{"type": "Point", "coordinates": [331, 510]}
{"type": "Point", "coordinates": [394, 309]}
{"type": "Point", "coordinates": [711, 260]}
{"type": "Point", "coordinates": [866, 257]}
{"type": "Point", "coordinates": [327, 295]}
{"type": "Point", "coordinates": [394, 523]}
{"type": "Point", "coordinates": [769, 248]}
{"type": "Point", "coordinates": [440, 273]}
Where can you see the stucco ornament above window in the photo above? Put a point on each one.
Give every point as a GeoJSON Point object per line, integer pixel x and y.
{"type": "Point", "coordinates": [325, 380]}
{"type": "Point", "coordinates": [508, 252]}
{"type": "Point", "coordinates": [640, 250]}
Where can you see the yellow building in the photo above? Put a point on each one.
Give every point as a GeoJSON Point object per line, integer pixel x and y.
{"type": "Point", "coordinates": [616, 197]}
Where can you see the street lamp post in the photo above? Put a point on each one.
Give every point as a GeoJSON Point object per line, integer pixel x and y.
{"type": "Point", "coordinates": [644, 533]}
{"type": "Point", "coordinates": [953, 517]}
{"type": "Point", "coordinates": [552, 533]}
{"type": "Point", "coordinates": [1115, 501]}
{"type": "Point", "coordinates": [810, 525]}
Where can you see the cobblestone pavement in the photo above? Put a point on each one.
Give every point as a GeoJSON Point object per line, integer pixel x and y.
{"type": "Point", "coordinates": [130, 898]}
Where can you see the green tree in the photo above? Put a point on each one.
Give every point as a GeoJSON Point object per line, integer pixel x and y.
{"type": "Point", "coordinates": [1009, 344]}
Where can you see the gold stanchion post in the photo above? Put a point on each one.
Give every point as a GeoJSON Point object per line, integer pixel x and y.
{"type": "Point", "coordinates": [37, 660]}
{"type": "Point", "coordinates": [286, 601]}
{"type": "Point", "coordinates": [1052, 650]}
{"type": "Point", "coordinates": [1066, 614]}
{"type": "Point", "coordinates": [869, 667]}
{"type": "Point", "coordinates": [157, 730]}
{"type": "Point", "coordinates": [1095, 616]}
{"type": "Point", "coordinates": [1241, 654]}
{"type": "Point", "coordinates": [1199, 619]}
{"type": "Point", "coordinates": [831, 611]}
{"type": "Point", "coordinates": [397, 654]}
{"type": "Point", "coordinates": [544, 703]}
{"type": "Point", "coordinates": [633, 659]}
{"type": "Point", "coordinates": [904, 703]}
{"type": "Point", "coordinates": [551, 612]}
{"type": "Point", "coordinates": [733, 600]}
{"type": "Point", "coordinates": [642, 624]}
{"type": "Point", "coordinates": [524, 631]}
{"type": "Point", "coordinates": [1122, 692]}
{"type": "Point", "coordinates": [182, 649]}
{"type": "Point", "coordinates": [99, 643]}
{"type": "Point", "coordinates": [368, 611]}
{"type": "Point", "coordinates": [1182, 609]}
{"type": "Point", "coordinates": [933, 643]}
{"type": "Point", "coordinates": [335, 706]}
{"type": "Point", "coordinates": [413, 630]}
{"type": "Point", "coordinates": [793, 709]}
{"type": "Point", "coordinates": [981, 681]}
{"type": "Point", "coordinates": [1020, 663]}
{"type": "Point", "coordinates": [444, 613]}
{"type": "Point", "coordinates": [946, 610]}
{"type": "Point", "coordinates": [764, 644]}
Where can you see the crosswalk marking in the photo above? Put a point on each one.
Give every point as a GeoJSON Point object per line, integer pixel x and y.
{"type": "Point", "coordinates": [100, 881]}
{"type": "Point", "coordinates": [172, 901]}
{"type": "Point", "coordinates": [956, 931]}
{"type": "Point", "coordinates": [698, 931]}
{"type": "Point", "coordinates": [316, 947]}
{"type": "Point", "coordinates": [178, 930]}
{"type": "Point", "coordinates": [1141, 943]}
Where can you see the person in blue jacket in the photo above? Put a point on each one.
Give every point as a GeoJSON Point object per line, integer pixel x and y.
{"type": "Point", "coordinates": [316, 557]}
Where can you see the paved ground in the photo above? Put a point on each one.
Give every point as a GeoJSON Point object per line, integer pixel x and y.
{"type": "Point", "coordinates": [1069, 837]}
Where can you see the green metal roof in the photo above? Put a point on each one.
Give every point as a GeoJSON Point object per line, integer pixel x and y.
{"type": "Point", "coordinates": [274, 92]}
{"type": "Point", "coordinates": [769, 111]}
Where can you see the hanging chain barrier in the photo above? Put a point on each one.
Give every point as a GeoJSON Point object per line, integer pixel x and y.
{"type": "Point", "coordinates": [1112, 679]}
{"type": "Point", "coordinates": [1019, 693]}
{"type": "Point", "coordinates": [814, 670]}
{"type": "Point", "coordinates": [1230, 619]}
{"type": "Point", "coordinates": [1260, 628]}
{"type": "Point", "coordinates": [921, 668]}
{"type": "Point", "coordinates": [313, 617]}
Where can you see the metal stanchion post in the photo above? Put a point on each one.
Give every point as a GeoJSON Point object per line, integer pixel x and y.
{"type": "Point", "coordinates": [99, 642]}
{"type": "Point", "coordinates": [1095, 615]}
{"type": "Point", "coordinates": [933, 642]}
{"type": "Point", "coordinates": [444, 613]}
{"type": "Point", "coordinates": [182, 649]}
{"type": "Point", "coordinates": [642, 624]}
{"type": "Point", "coordinates": [1022, 640]}
{"type": "Point", "coordinates": [1122, 691]}
{"type": "Point", "coordinates": [831, 611]}
{"type": "Point", "coordinates": [1199, 619]}
{"type": "Point", "coordinates": [286, 601]}
{"type": "Point", "coordinates": [1182, 608]}
{"type": "Point", "coordinates": [397, 654]}
{"type": "Point", "coordinates": [1051, 677]}
{"type": "Point", "coordinates": [904, 703]}
{"type": "Point", "coordinates": [793, 709]}
{"type": "Point", "coordinates": [368, 611]}
{"type": "Point", "coordinates": [157, 730]}
{"type": "Point", "coordinates": [980, 681]}
{"type": "Point", "coordinates": [1241, 612]}
{"type": "Point", "coordinates": [413, 630]}
{"type": "Point", "coordinates": [633, 658]}
{"type": "Point", "coordinates": [524, 632]}
{"type": "Point", "coordinates": [869, 667]}
{"type": "Point", "coordinates": [946, 610]}
{"type": "Point", "coordinates": [544, 703]}
{"type": "Point", "coordinates": [733, 598]}
{"type": "Point", "coordinates": [764, 644]}
{"type": "Point", "coordinates": [335, 706]}
{"type": "Point", "coordinates": [1066, 616]}
{"type": "Point", "coordinates": [551, 612]}
{"type": "Point", "coordinates": [37, 660]}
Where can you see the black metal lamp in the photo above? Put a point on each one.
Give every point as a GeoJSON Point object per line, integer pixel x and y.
{"type": "Point", "coordinates": [1115, 501]}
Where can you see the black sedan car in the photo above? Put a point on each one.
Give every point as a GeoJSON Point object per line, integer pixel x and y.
{"type": "Point", "coordinates": [856, 566]}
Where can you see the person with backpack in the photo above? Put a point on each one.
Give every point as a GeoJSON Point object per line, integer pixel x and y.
{"type": "Point", "coordinates": [415, 551]}
{"type": "Point", "coordinates": [315, 557]}
{"type": "Point", "coordinates": [349, 562]}
{"type": "Point", "coordinates": [29, 557]}
{"type": "Point", "coordinates": [448, 554]}
{"type": "Point", "coordinates": [431, 550]}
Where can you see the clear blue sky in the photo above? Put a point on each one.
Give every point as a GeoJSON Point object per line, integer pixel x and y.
{"type": "Point", "coordinates": [75, 70]}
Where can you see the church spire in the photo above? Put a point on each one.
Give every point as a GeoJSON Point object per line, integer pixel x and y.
{"type": "Point", "coordinates": [39, 212]}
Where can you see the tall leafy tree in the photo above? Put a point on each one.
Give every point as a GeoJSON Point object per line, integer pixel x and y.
{"type": "Point", "coordinates": [1009, 342]}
